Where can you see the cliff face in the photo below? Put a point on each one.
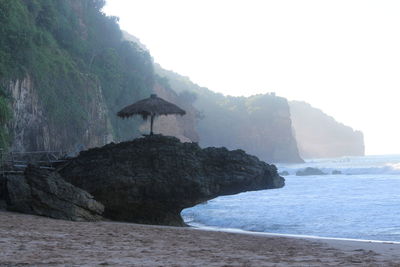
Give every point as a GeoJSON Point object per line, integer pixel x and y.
{"type": "Point", "coordinates": [33, 130]}
{"type": "Point", "coordinates": [261, 125]}
{"type": "Point", "coordinates": [28, 127]}
{"type": "Point", "coordinates": [64, 73]}
{"type": "Point", "coordinates": [321, 136]}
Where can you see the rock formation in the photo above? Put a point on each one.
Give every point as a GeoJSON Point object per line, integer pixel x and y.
{"type": "Point", "coordinates": [32, 130]}
{"type": "Point", "coordinates": [321, 136]}
{"type": "Point", "coordinates": [151, 179]}
{"type": "Point", "coordinates": [310, 171]}
{"type": "Point", "coordinates": [260, 124]}
{"type": "Point", "coordinates": [42, 192]}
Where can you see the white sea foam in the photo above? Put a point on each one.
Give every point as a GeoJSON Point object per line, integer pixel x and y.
{"type": "Point", "coordinates": [362, 203]}
{"type": "Point", "coordinates": [394, 166]}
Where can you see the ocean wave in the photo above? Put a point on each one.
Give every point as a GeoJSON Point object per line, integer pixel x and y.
{"type": "Point", "coordinates": [353, 206]}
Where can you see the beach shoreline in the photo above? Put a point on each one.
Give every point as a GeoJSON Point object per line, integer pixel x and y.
{"type": "Point", "coordinates": [38, 241]}
{"type": "Point", "coordinates": [270, 234]}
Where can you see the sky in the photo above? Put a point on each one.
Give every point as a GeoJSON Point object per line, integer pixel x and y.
{"type": "Point", "coordinates": [341, 56]}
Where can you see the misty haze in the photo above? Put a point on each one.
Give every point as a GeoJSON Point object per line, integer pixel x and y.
{"type": "Point", "coordinates": [199, 133]}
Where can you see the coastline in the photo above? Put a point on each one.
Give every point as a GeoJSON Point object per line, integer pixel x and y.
{"type": "Point", "coordinates": [268, 234]}
{"type": "Point", "coordinates": [33, 240]}
{"type": "Point", "coordinates": [385, 249]}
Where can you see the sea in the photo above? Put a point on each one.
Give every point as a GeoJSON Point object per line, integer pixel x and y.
{"type": "Point", "coordinates": [363, 202]}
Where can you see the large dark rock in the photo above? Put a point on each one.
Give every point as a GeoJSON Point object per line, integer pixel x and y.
{"type": "Point", "coordinates": [45, 193]}
{"type": "Point", "coordinates": [151, 179]}
{"type": "Point", "coordinates": [336, 172]}
{"type": "Point", "coordinates": [310, 171]}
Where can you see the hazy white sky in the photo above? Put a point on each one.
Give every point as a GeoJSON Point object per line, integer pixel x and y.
{"type": "Point", "coordinates": [342, 56]}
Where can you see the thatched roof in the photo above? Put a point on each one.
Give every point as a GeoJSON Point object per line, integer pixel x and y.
{"type": "Point", "coordinates": [150, 106]}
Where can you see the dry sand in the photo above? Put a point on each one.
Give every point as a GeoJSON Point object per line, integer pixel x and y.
{"type": "Point", "coordinates": [37, 241]}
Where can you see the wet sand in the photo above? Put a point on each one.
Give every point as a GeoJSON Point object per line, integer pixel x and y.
{"type": "Point", "coordinates": [27, 240]}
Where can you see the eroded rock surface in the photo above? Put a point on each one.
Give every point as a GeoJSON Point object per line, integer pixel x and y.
{"type": "Point", "coordinates": [45, 193]}
{"type": "Point", "coordinates": [151, 179]}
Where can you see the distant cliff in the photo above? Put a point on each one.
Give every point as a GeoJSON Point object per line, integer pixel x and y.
{"type": "Point", "coordinates": [261, 124]}
{"type": "Point", "coordinates": [320, 136]}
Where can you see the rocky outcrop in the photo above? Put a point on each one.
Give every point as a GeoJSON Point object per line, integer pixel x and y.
{"type": "Point", "coordinates": [45, 193]}
{"type": "Point", "coordinates": [151, 179]}
{"type": "Point", "coordinates": [321, 136]}
{"type": "Point", "coordinates": [310, 171]}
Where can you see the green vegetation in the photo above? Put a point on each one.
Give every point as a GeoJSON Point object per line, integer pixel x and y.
{"type": "Point", "coordinates": [69, 48]}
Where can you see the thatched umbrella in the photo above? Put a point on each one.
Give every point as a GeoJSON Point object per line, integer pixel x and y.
{"type": "Point", "coordinates": [150, 107]}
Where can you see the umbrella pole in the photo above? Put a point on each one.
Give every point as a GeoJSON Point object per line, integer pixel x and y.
{"type": "Point", "coordinates": [151, 124]}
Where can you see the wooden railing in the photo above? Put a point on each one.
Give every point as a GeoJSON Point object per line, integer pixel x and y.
{"type": "Point", "coordinates": [16, 162]}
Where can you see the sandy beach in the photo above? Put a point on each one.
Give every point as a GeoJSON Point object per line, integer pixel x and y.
{"type": "Point", "coordinates": [27, 240]}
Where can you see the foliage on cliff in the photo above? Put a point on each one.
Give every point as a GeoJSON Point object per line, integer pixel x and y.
{"type": "Point", "coordinates": [69, 48]}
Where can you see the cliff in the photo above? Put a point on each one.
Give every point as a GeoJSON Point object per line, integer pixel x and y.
{"type": "Point", "coordinates": [32, 130]}
{"type": "Point", "coordinates": [66, 69]}
{"type": "Point", "coordinates": [64, 73]}
{"type": "Point", "coordinates": [321, 136]}
{"type": "Point", "coordinates": [261, 124]}
{"type": "Point", "coordinates": [150, 180]}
